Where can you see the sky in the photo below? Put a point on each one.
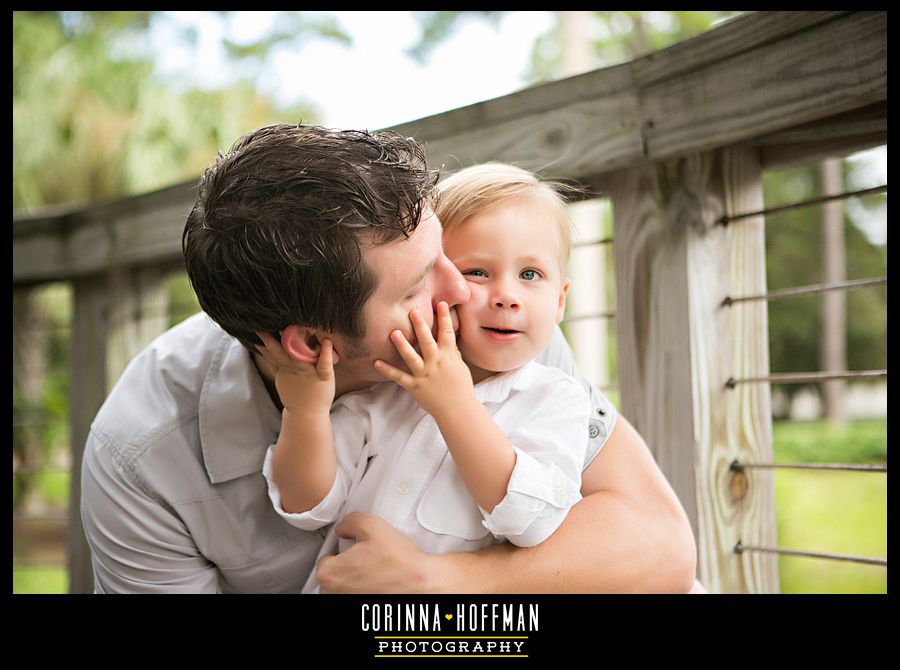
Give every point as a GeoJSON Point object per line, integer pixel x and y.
{"type": "Point", "coordinates": [374, 84]}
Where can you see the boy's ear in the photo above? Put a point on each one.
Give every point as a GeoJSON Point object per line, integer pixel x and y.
{"type": "Point", "coordinates": [561, 311]}
{"type": "Point", "coordinates": [303, 344]}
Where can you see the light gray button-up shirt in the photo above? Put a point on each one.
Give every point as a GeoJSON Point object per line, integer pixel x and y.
{"type": "Point", "coordinates": [173, 498]}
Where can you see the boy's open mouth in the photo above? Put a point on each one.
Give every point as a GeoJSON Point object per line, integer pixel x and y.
{"type": "Point", "coordinates": [502, 331]}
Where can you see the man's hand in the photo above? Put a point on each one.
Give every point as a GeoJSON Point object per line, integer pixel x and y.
{"type": "Point", "coordinates": [383, 560]}
{"type": "Point", "coordinates": [306, 387]}
{"type": "Point", "coordinates": [440, 379]}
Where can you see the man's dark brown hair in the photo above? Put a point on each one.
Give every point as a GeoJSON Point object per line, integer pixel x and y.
{"type": "Point", "coordinates": [275, 235]}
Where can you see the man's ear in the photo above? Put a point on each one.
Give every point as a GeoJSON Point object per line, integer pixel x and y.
{"type": "Point", "coordinates": [303, 344]}
{"type": "Point", "coordinates": [561, 312]}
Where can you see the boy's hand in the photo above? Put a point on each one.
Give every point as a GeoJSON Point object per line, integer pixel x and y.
{"type": "Point", "coordinates": [305, 387]}
{"type": "Point", "coordinates": [440, 379]}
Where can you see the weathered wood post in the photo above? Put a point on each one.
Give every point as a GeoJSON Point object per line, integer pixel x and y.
{"type": "Point", "coordinates": [116, 315]}
{"type": "Point", "coordinates": [678, 346]}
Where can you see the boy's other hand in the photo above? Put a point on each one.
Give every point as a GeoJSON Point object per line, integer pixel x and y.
{"type": "Point", "coordinates": [439, 378]}
{"type": "Point", "coordinates": [302, 386]}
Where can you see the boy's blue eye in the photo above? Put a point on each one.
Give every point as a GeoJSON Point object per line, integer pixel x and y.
{"type": "Point", "coordinates": [530, 275]}
{"type": "Point", "coordinates": [475, 273]}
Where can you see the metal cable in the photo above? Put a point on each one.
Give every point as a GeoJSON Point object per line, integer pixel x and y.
{"type": "Point", "coordinates": [806, 377]}
{"type": "Point", "coordinates": [726, 219]}
{"type": "Point", "coordinates": [812, 289]}
{"type": "Point", "coordinates": [741, 548]}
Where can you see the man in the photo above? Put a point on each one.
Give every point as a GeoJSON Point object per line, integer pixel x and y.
{"type": "Point", "coordinates": [311, 234]}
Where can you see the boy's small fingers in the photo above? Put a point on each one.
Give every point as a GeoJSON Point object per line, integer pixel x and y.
{"type": "Point", "coordinates": [325, 365]}
{"type": "Point", "coordinates": [391, 373]}
{"type": "Point", "coordinates": [407, 352]}
{"type": "Point", "coordinates": [423, 334]}
{"type": "Point", "coordinates": [445, 325]}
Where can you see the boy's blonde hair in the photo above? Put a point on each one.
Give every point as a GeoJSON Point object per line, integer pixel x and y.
{"type": "Point", "coordinates": [478, 188]}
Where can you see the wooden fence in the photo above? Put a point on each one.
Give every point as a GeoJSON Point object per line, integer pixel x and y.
{"type": "Point", "coordinates": [678, 140]}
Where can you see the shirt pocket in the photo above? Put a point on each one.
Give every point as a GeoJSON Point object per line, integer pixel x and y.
{"type": "Point", "coordinates": [447, 507]}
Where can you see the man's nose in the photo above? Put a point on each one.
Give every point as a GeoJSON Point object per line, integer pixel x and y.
{"type": "Point", "coordinates": [455, 289]}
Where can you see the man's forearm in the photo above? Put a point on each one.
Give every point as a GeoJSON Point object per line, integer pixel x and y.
{"type": "Point", "coordinates": [607, 544]}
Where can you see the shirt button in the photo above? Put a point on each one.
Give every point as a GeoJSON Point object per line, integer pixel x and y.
{"type": "Point", "coordinates": [593, 431]}
{"type": "Point", "coordinates": [402, 488]}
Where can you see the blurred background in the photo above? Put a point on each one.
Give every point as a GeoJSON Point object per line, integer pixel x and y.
{"type": "Point", "coordinates": [109, 104]}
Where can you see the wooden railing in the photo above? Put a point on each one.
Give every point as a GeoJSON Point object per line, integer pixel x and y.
{"type": "Point", "coordinates": [677, 139]}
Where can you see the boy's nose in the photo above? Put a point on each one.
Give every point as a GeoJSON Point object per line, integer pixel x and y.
{"type": "Point", "coordinates": [503, 297]}
{"type": "Point", "coordinates": [506, 302]}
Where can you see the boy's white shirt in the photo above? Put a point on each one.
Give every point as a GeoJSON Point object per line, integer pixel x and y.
{"type": "Point", "coordinates": [412, 482]}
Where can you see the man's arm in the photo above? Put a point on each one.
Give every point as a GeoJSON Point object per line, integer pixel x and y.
{"type": "Point", "coordinates": [628, 534]}
{"type": "Point", "coordinates": [137, 544]}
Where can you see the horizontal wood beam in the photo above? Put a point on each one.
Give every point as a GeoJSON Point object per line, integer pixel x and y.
{"type": "Point", "coordinates": [756, 75]}
{"type": "Point", "coordinates": [761, 75]}
{"type": "Point", "coordinates": [131, 232]}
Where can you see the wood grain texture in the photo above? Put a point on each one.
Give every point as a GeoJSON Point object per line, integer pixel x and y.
{"type": "Point", "coordinates": [678, 346]}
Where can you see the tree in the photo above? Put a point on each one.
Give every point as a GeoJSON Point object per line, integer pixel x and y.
{"type": "Point", "coordinates": [618, 35]}
{"type": "Point", "coordinates": [93, 121]}
{"type": "Point", "coordinates": [793, 258]}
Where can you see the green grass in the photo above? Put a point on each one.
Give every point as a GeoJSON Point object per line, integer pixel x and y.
{"type": "Point", "coordinates": [835, 513]}
{"type": "Point", "coordinates": [831, 511]}
{"type": "Point", "coordinates": [40, 580]}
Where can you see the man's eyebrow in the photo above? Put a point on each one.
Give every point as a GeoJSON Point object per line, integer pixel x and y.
{"type": "Point", "coordinates": [421, 275]}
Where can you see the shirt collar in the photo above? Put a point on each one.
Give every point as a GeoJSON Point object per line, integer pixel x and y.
{"type": "Point", "coordinates": [498, 387]}
{"type": "Point", "coordinates": [238, 420]}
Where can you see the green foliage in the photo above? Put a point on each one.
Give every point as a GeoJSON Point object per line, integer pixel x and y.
{"type": "Point", "coordinates": [822, 442]}
{"type": "Point", "coordinates": [794, 258]}
{"type": "Point", "coordinates": [621, 36]}
{"type": "Point", "coordinates": [437, 26]}
{"type": "Point", "coordinates": [182, 299]}
{"type": "Point", "coordinates": [289, 29]}
{"type": "Point", "coordinates": [91, 120]}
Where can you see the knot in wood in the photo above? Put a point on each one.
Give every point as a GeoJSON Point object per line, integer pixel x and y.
{"type": "Point", "coordinates": [556, 137]}
{"type": "Point", "coordinates": [738, 484]}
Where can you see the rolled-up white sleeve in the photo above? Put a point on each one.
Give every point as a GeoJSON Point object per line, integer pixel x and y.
{"type": "Point", "coordinates": [350, 427]}
{"type": "Point", "coordinates": [550, 445]}
{"type": "Point", "coordinates": [324, 513]}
